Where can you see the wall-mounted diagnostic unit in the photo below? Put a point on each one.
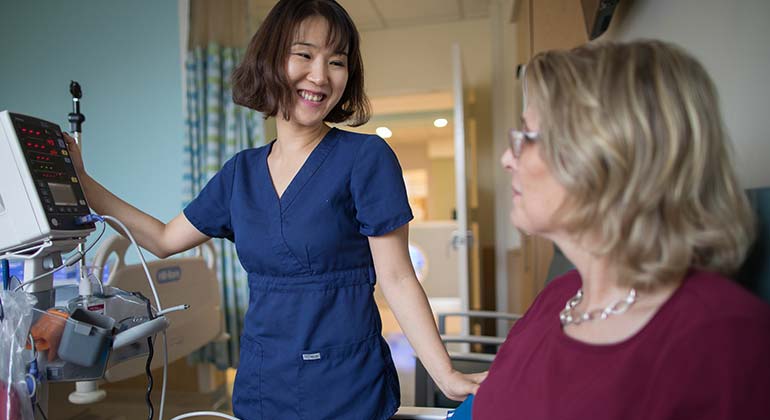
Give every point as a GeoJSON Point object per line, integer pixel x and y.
{"type": "Point", "coordinates": [40, 194]}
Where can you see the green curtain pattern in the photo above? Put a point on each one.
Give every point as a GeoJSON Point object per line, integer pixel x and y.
{"type": "Point", "coordinates": [216, 129]}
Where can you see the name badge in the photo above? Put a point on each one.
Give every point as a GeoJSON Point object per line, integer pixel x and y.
{"type": "Point", "coordinates": [311, 356]}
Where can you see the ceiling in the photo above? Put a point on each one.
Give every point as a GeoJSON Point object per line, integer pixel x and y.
{"type": "Point", "coordinates": [372, 15]}
{"type": "Point", "coordinates": [410, 117]}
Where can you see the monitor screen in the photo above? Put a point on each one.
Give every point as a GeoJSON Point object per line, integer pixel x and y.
{"type": "Point", "coordinates": [63, 195]}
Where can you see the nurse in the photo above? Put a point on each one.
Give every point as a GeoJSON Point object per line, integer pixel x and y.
{"type": "Point", "coordinates": [317, 216]}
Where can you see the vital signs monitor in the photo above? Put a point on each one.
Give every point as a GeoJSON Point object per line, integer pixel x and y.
{"type": "Point", "coordinates": [40, 194]}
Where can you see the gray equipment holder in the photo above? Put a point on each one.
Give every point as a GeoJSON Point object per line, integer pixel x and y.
{"type": "Point", "coordinates": [87, 338]}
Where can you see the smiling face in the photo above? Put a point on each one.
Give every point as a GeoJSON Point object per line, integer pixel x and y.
{"type": "Point", "coordinates": [317, 73]}
{"type": "Point", "coordinates": [536, 193]}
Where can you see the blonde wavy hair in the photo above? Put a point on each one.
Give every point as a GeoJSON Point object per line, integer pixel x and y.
{"type": "Point", "coordinates": [634, 133]}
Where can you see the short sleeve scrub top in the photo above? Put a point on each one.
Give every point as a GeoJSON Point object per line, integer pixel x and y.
{"type": "Point", "coordinates": [312, 346]}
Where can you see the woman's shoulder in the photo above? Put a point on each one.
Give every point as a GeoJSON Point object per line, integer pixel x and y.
{"type": "Point", "coordinates": [361, 141]}
{"type": "Point", "coordinates": [716, 297]}
{"type": "Point", "coordinates": [717, 338]}
{"type": "Point", "coordinates": [562, 287]}
{"type": "Point", "coordinates": [711, 310]}
{"type": "Point", "coordinates": [548, 303]}
{"type": "Point", "coordinates": [364, 151]}
{"type": "Point", "coordinates": [253, 152]}
{"type": "Point", "coordinates": [556, 293]}
{"type": "Point", "coordinates": [356, 136]}
{"type": "Point", "coordinates": [251, 156]}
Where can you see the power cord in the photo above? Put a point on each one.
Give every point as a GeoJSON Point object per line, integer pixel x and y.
{"type": "Point", "coordinates": [148, 364]}
{"type": "Point", "coordinates": [141, 256]}
{"type": "Point", "coordinates": [40, 409]}
{"type": "Point", "coordinates": [157, 304]}
{"type": "Point", "coordinates": [148, 394]}
{"type": "Point", "coordinates": [205, 413]}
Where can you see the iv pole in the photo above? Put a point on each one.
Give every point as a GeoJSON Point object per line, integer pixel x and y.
{"type": "Point", "coordinates": [76, 120]}
{"type": "Point", "coordinates": [86, 392]}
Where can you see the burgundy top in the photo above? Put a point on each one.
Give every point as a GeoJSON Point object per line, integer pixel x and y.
{"type": "Point", "coordinates": [704, 355]}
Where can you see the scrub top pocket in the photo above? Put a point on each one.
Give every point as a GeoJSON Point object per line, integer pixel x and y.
{"type": "Point", "coordinates": [247, 389]}
{"type": "Point", "coordinates": [360, 370]}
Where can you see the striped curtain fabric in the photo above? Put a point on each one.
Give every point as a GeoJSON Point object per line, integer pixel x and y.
{"type": "Point", "coordinates": [215, 130]}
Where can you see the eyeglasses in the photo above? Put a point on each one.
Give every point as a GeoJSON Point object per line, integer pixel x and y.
{"type": "Point", "coordinates": [516, 138]}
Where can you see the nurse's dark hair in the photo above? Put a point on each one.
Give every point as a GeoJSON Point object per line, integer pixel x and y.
{"type": "Point", "coordinates": [260, 81]}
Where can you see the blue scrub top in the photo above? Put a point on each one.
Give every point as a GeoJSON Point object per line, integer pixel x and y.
{"type": "Point", "coordinates": [312, 346]}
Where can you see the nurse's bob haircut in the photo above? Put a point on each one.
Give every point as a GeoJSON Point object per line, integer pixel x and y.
{"type": "Point", "coordinates": [260, 81]}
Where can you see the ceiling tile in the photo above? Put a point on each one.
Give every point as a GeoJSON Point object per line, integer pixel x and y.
{"type": "Point", "coordinates": [264, 3]}
{"type": "Point", "coordinates": [475, 8]}
{"type": "Point", "coordinates": [381, 14]}
{"type": "Point", "coordinates": [417, 12]}
{"type": "Point", "coordinates": [363, 14]}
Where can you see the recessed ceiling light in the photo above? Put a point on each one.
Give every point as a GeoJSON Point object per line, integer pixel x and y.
{"type": "Point", "coordinates": [384, 132]}
{"type": "Point", "coordinates": [440, 122]}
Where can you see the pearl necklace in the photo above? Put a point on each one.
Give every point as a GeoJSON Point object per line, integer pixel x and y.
{"type": "Point", "coordinates": [570, 316]}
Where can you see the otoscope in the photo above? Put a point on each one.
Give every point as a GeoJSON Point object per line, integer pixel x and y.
{"type": "Point", "coordinates": [75, 118]}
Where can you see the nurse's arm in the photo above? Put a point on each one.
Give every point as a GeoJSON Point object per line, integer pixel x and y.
{"type": "Point", "coordinates": [161, 239]}
{"type": "Point", "coordinates": [409, 304]}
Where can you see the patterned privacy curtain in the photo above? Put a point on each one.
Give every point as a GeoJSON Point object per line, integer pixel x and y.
{"type": "Point", "coordinates": [216, 129]}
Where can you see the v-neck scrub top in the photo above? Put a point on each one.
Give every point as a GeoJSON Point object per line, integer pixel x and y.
{"type": "Point", "coordinates": [312, 346]}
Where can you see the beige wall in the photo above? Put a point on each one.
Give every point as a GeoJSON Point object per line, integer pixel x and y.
{"type": "Point", "coordinates": [441, 200]}
{"type": "Point", "coordinates": [441, 193]}
{"type": "Point", "coordinates": [731, 38]}
{"type": "Point", "coordinates": [411, 156]}
{"type": "Point", "coordinates": [506, 108]}
{"type": "Point", "coordinates": [505, 114]}
{"type": "Point", "coordinates": [418, 59]}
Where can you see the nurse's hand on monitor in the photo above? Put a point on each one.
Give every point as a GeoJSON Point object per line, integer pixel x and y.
{"type": "Point", "coordinates": [75, 156]}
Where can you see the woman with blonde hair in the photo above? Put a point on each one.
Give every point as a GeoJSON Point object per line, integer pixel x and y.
{"type": "Point", "coordinates": [623, 161]}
